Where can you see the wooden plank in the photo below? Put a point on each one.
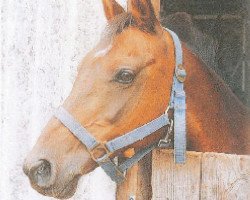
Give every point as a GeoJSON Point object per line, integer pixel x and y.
{"type": "Point", "coordinates": [137, 185]}
{"type": "Point", "coordinates": [225, 177]}
{"type": "Point", "coordinates": [175, 182]}
{"type": "Point", "coordinates": [205, 176]}
{"type": "Point", "coordinates": [127, 190]}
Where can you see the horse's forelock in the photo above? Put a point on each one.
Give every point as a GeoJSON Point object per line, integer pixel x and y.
{"type": "Point", "coordinates": [116, 26]}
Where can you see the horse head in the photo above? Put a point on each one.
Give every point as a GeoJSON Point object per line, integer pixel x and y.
{"type": "Point", "coordinates": [123, 83]}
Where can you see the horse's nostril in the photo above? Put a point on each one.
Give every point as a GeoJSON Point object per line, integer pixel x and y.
{"type": "Point", "coordinates": [40, 173]}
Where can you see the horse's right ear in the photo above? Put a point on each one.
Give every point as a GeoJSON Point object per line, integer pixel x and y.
{"type": "Point", "coordinates": [112, 8]}
{"type": "Point", "coordinates": [143, 14]}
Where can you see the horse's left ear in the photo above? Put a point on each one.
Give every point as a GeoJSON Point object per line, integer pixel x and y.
{"type": "Point", "coordinates": [112, 8]}
{"type": "Point", "coordinates": [143, 14]}
{"type": "Point", "coordinates": [157, 8]}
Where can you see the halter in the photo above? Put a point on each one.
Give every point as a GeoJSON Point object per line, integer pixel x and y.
{"type": "Point", "coordinates": [101, 153]}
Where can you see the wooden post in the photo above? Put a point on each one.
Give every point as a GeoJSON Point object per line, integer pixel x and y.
{"type": "Point", "coordinates": [137, 185]}
{"type": "Point", "coordinates": [175, 181]}
{"type": "Point", "coordinates": [210, 176]}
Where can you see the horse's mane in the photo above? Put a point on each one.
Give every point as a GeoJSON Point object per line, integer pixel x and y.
{"type": "Point", "coordinates": [116, 26]}
{"type": "Point", "coordinates": [199, 42]}
{"type": "Point", "coordinates": [230, 100]}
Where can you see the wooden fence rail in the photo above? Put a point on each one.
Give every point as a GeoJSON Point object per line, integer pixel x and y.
{"type": "Point", "coordinates": [205, 176]}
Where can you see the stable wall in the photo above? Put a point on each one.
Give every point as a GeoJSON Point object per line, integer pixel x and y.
{"type": "Point", "coordinates": [42, 43]}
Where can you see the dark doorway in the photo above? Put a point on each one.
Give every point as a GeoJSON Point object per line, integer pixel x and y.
{"type": "Point", "coordinates": [225, 28]}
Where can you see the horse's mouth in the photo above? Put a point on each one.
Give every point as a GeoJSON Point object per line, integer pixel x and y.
{"type": "Point", "coordinates": [69, 190]}
{"type": "Point", "coordinates": [66, 192]}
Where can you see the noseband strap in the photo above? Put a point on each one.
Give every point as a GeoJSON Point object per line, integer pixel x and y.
{"type": "Point", "coordinates": [115, 172]}
{"type": "Point", "coordinates": [77, 129]}
{"type": "Point", "coordinates": [102, 153]}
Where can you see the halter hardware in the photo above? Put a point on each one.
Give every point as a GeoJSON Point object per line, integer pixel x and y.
{"type": "Point", "coordinates": [166, 141]}
{"type": "Point", "coordinates": [180, 73]}
{"type": "Point", "coordinates": [101, 153]}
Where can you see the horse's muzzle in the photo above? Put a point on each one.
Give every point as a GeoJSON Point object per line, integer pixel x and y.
{"type": "Point", "coordinates": [39, 173]}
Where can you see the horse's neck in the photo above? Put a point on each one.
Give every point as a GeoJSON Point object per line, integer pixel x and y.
{"type": "Point", "coordinates": [216, 119]}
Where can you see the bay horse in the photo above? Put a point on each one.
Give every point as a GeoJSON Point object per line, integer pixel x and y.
{"type": "Point", "coordinates": [125, 82]}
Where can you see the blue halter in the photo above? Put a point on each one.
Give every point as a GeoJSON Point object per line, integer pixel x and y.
{"type": "Point", "coordinates": [101, 153]}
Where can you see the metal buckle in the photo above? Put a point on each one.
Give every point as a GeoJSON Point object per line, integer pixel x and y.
{"type": "Point", "coordinates": [166, 141]}
{"type": "Point", "coordinates": [99, 153]}
{"type": "Point", "coordinates": [180, 73]}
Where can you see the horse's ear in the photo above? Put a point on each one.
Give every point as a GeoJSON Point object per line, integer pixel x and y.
{"type": "Point", "coordinates": [112, 8]}
{"type": "Point", "coordinates": [157, 8]}
{"type": "Point", "coordinates": [143, 15]}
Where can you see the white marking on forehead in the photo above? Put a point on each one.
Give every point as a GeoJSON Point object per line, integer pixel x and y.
{"type": "Point", "coordinates": [103, 52]}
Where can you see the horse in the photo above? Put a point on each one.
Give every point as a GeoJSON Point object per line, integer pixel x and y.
{"type": "Point", "coordinates": [125, 82]}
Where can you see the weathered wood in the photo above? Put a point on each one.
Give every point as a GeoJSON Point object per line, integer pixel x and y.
{"type": "Point", "coordinates": [128, 189]}
{"type": "Point", "coordinates": [225, 177]}
{"type": "Point", "coordinates": [205, 176]}
{"type": "Point", "coordinates": [138, 182]}
{"type": "Point", "coordinates": [172, 181]}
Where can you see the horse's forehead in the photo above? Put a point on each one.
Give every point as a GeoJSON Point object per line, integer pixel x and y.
{"type": "Point", "coordinates": [131, 47]}
{"type": "Point", "coordinates": [132, 43]}
{"type": "Point", "coordinates": [133, 35]}
{"type": "Point", "coordinates": [103, 51]}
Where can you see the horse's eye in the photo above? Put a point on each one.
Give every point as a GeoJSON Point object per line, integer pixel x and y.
{"type": "Point", "coordinates": [125, 76]}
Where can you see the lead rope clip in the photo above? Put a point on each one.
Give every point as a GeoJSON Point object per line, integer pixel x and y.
{"type": "Point", "coordinates": [166, 141]}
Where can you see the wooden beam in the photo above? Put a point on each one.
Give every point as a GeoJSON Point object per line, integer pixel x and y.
{"type": "Point", "coordinates": [128, 189]}
{"type": "Point", "coordinates": [137, 185]}
{"type": "Point", "coordinates": [173, 181]}
{"type": "Point", "coordinates": [225, 176]}
{"type": "Point", "coordinates": [210, 176]}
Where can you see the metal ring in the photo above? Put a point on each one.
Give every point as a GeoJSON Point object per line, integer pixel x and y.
{"type": "Point", "coordinates": [180, 73]}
